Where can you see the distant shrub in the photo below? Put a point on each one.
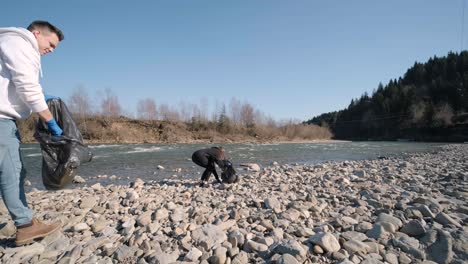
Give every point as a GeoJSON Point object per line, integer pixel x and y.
{"type": "Point", "coordinates": [443, 115]}
{"type": "Point", "coordinates": [306, 132]}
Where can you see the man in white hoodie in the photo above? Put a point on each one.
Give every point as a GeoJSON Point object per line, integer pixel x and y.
{"type": "Point", "coordinates": [21, 93]}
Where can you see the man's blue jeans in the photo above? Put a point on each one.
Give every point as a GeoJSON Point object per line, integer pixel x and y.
{"type": "Point", "coordinates": [12, 173]}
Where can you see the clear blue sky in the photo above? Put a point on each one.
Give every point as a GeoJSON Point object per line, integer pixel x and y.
{"type": "Point", "coordinates": [289, 59]}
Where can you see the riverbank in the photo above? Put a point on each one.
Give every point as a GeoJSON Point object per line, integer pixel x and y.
{"type": "Point", "coordinates": [123, 130]}
{"type": "Point", "coordinates": [220, 141]}
{"type": "Point", "coordinates": [397, 210]}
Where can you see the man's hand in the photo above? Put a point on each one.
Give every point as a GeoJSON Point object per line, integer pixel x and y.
{"type": "Point", "coordinates": [54, 128]}
{"type": "Point", "coordinates": [227, 164]}
{"type": "Point", "coordinates": [47, 117]}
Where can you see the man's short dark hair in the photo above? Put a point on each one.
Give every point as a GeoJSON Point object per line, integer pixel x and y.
{"type": "Point", "coordinates": [40, 24]}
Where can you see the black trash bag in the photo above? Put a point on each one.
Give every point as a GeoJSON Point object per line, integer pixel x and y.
{"type": "Point", "coordinates": [61, 155]}
{"type": "Point", "coordinates": [229, 174]}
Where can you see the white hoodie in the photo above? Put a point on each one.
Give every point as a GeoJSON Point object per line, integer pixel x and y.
{"type": "Point", "coordinates": [20, 64]}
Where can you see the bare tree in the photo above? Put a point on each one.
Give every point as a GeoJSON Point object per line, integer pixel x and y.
{"type": "Point", "coordinates": [185, 111]}
{"type": "Point", "coordinates": [168, 113]}
{"type": "Point", "coordinates": [110, 106]}
{"type": "Point", "coordinates": [175, 115]}
{"type": "Point", "coordinates": [247, 115]}
{"type": "Point", "coordinates": [259, 117]}
{"type": "Point", "coordinates": [80, 105]}
{"type": "Point", "coordinates": [146, 109]}
{"type": "Point", "coordinates": [196, 113]}
{"type": "Point", "coordinates": [164, 112]}
{"type": "Point", "coordinates": [235, 111]}
{"type": "Point", "coordinates": [204, 109]}
{"type": "Point", "coordinates": [270, 122]}
{"type": "Point", "coordinates": [79, 102]}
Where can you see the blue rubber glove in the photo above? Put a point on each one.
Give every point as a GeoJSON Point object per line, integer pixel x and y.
{"type": "Point", "coordinates": [54, 128]}
{"type": "Point", "coordinates": [49, 97]}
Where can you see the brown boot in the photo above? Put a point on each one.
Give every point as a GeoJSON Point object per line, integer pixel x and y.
{"type": "Point", "coordinates": [26, 234]}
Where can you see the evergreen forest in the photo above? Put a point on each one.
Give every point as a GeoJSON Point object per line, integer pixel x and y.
{"type": "Point", "coordinates": [429, 103]}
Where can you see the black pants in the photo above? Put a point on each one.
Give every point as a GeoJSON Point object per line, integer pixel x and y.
{"type": "Point", "coordinates": [203, 161]}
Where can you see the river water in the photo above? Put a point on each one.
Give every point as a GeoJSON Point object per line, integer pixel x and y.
{"type": "Point", "coordinates": [130, 161]}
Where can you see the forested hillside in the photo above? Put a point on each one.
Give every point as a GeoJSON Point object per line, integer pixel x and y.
{"type": "Point", "coordinates": [430, 103]}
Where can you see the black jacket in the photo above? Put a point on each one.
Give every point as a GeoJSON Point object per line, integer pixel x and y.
{"type": "Point", "coordinates": [207, 157]}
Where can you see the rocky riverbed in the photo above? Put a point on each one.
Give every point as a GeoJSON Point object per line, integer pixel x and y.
{"type": "Point", "coordinates": [396, 210]}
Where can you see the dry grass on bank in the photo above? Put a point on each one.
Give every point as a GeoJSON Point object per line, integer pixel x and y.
{"type": "Point", "coordinates": [125, 130]}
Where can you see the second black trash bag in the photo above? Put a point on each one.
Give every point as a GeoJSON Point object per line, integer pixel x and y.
{"type": "Point", "coordinates": [61, 155]}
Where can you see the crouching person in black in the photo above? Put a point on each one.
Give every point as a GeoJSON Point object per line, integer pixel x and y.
{"type": "Point", "coordinates": [207, 158]}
